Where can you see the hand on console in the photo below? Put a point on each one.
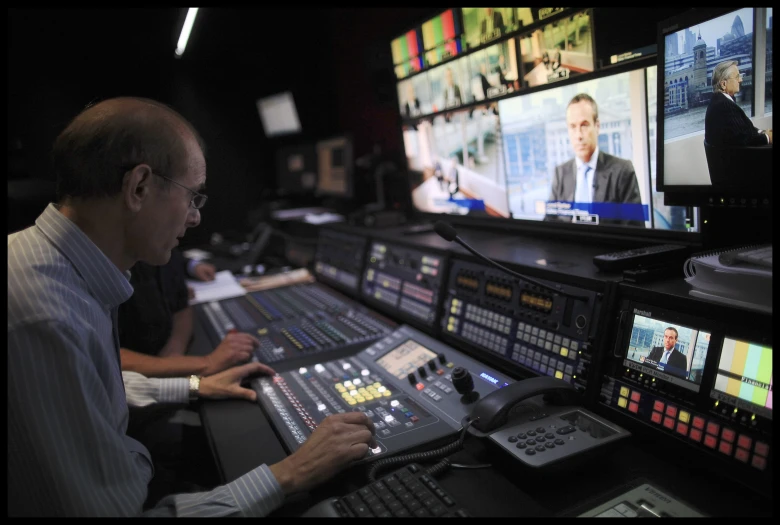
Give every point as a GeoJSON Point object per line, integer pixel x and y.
{"type": "Point", "coordinates": [227, 384]}
{"type": "Point", "coordinates": [235, 348]}
{"type": "Point", "coordinates": [338, 441]}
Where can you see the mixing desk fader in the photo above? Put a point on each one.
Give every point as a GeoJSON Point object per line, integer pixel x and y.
{"type": "Point", "coordinates": [295, 322]}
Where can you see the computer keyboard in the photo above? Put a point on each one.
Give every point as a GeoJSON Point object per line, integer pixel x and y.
{"type": "Point", "coordinates": [757, 255]}
{"type": "Point", "coordinates": [407, 492]}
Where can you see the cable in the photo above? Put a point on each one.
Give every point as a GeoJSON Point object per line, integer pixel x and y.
{"type": "Point", "coordinates": [446, 450]}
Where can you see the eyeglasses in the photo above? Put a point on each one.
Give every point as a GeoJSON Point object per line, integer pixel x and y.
{"type": "Point", "coordinates": [198, 199]}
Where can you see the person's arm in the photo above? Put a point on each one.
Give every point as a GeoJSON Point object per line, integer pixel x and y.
{"type": "Point", "coordinates": [181, 333]}
{"type": "Point", "coordinates": [156, 366]}
{"type": "Point", "coordinates": [63, 441]}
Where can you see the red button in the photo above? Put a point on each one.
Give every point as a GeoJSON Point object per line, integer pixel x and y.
{"type": "Point", "coordinates": [440, 372]}
{"type": "Point", "coordinates": [420, 386]}
{"type": "Point", "coordinates": [658, 405]}
{"type": "Point", "coordinates": [669, 423]}
{"type": "Point", "coordinates": [713, 428]}
{"type": "Point", "coordinates": [762, 449]}
{"type": "Point", "coordinates": [744, 441]}
{"type": "Point", "coordinates": [414, 419]}
{"type": "Point", "coordinates": [671, 411]}
{"type": "Point", "coordinates": [633, 407]}
{"type": "Point", "coordinates": [710, 441]}
{"type": "Point", "coordinates": [728, 435]}
{"type": "Point", "coordinates": [695, 435]}
{"type": "Point", "coordinates": [656, 417]}
{"type": "Point", "coordinates": [635, 396]}
{"type": "Point", "coordinates": [698, 422]}
{"type": "Point", "coordinates": [759, 462]}
{"type": "Point", "coordinates": [725, 447]}
{"type": "Point", "coordinates": [682, 428]}
{"type": "Point", "coordinates": [742, 455]}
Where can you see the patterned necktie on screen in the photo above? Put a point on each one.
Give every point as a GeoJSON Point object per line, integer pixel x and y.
{"type": "Point", "coordinates": [582, 191]}
{"type": "Point", "coordinates": [665, 358]}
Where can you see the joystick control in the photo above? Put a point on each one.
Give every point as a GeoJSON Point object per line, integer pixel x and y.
{"type": "Point", "coordinates": [464, 384]}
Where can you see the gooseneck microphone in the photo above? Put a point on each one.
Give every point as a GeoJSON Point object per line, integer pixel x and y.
{"type": "Point", "coordinates": [448, 233]}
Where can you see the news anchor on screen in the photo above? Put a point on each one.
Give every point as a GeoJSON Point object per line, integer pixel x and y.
{"type": "Point", "coordinates": [592, 176]}
{"type": "Point", "coordinates": [725, 124]}
{"type": "Point", "coordinates": [667, 357]}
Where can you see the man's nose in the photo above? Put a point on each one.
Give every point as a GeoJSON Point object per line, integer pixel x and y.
{"type": "Point", "coordinates": [193, 217]}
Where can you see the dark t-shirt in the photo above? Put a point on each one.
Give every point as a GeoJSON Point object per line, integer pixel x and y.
{"type": "Point", "coordinates": [146, 319]}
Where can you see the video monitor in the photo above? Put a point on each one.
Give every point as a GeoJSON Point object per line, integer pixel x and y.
{"type": "Point", "coordinates": [334, 163]}
{"type": "Point", "coordinates": [485, 24]}
{"type": "Point", "coordinates": [443, 52]}
{"type": "Point", "coordinates": [558, 50]}
{"type": "Point", "coordinates": [494, 70]}
{"type": "Point", "coordinates": [450, 85]}
{"type": "Point", "coordinates": [440, 29]}
{"type": "Point", "coordinates": [716, 84]}
{"type": "Point", "coordinates": [405, 359]}
{"type": "Point", "coordinates": [594, 135]}
{"type": "Point", "coordinates": [414, 96]}
{"type": "Point", "coordinates": [296, 169]}
{"type": "Point", "coordinates": [279, 115]}
{"type": "Point", "coordinates": [459, 162]}
{"type": "Point", "coordinates": [407, 53]}
{"type": "Point", "coordinates": [668, 351]}
{"type": "Point", "coordinates": [744, 376]}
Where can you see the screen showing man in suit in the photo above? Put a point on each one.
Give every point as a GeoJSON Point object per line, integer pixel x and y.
{"type": "Point", "coordinates": [725, 123]}
{"type": "Point", "coordinates": [666, 357]}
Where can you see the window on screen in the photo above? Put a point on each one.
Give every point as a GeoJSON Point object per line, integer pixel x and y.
{"type": "Point", "coordinates": [279, 115]}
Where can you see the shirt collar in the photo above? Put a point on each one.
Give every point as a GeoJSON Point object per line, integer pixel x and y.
{"type": "Point", "coordinates": [592, 162]}
{"type": "Point", "coordinates": [107, 284]}
{"type": "Point", "coordinates": [728, 97]}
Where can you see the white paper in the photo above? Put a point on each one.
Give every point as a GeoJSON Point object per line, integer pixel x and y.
{"type": "Point", "coordinates": [224, 286]}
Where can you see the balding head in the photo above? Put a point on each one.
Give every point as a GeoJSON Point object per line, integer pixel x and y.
{"type": "Point", "coordinates": [111, 137]}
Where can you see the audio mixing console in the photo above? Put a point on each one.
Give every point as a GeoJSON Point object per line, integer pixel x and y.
{"type": "Point", "coordinates": [295, 322]}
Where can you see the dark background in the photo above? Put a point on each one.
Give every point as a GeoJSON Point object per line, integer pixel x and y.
{"type": "Point", "coordinates": [336, 61]}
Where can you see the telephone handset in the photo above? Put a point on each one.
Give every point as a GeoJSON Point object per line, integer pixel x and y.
{"type": "Point", "coordinates": [491, 411]}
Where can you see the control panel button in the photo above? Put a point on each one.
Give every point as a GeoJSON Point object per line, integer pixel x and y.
{"type": "Point", "coordinates": [635, 395]}
{"type": "Point", "coordinates": [713, 428]}
{"type": "Point", "coordinates": [658, 405]}
{"type": "Point", "coordinates": [682, 428]}
{"type": "Point", "coordinates": [710, 441]}
{"type": "Point", "coordinates": [656, 417]}
{"type": "Point", "coordinates": [684, 416]}
{"type": "Point", "coordinates": [759, 462]}
{"type": "Point", "coordinates": [741, 455]}
{"type": "Point", "coordinates": [624, 391]}
{"type": "Point", "coordinates": [671, 411]}
{"type": "Point", "coordinates": [633, 407]}
{"type": "Point", "coordinates": [728, 435]}
{"type": "Point", "coordinates": [695, 435]}
{"type": "Point", "coordinates": [622, 402]}
{"type": "Point", "coordinates": [744, 441]}
{"type": "Point", "coordinates": [669, 423]}
{"type": "Point", "coordinates": [698, 422]}
{"type": "Point", "coordinates": [725, 448]}
{"type": "Point", "coordinates": [762, 449]}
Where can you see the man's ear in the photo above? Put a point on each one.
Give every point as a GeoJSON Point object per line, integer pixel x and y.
{"type": "Point", "coordinates": [136, 186]}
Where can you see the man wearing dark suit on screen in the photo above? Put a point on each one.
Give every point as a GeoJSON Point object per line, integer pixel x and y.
{"type": "Point", "coordinates": [725, 124]}
{"type": "Point", "coordinates": [451, 91]}
{"type": "Point", "coordinates": [493, 20]}
{"type": "Point", "coordinates": [592, 175]}
{"type": "Point", "coordinates": [673, 361]}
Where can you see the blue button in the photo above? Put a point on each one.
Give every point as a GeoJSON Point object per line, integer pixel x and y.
{"type": "Point", "coordinates": [408, 414]}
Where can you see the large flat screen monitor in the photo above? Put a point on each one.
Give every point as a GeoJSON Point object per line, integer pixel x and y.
{"type": "Point", "coordinates": [523, 156]}
{"type": "Point", "coordinates": [279, 115]}
{"type": "Point", "coordinates": [715, 87]}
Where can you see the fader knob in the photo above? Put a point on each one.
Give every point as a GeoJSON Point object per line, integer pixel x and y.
{"type": "Point", "coordinates": [462, 380]}
{"type": "Point", "coordinates": [412, 378]}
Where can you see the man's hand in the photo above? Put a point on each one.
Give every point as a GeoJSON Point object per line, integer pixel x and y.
{"type": "Point", "coordinates": [338, 441]}
{"type": "Point", "coordinates": [227, 384]}
{"type": "Point", "coordinates": [205, 271]}
{"type": "Point", "coordinates": [235, 348]}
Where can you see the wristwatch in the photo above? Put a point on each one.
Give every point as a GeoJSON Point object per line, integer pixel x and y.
{"type": "Point", "coordinates": [194, 387]}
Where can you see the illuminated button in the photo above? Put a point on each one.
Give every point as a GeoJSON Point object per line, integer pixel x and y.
{"type": "Point", "coordinates": [741, 455]}
{"type": "Point", "coordinates": [368, 397]}
{"type": "Point", "coordinates": [381, 389]}
{"type": "Point", "coordinates": [394, 403]}
{"type": "Point", "coordinates": [695, 435]}
{"type": "Point", "coordinates": [684, 416]}
{"type": "Point", "coordinates": [419, 386]}
{"type": "Point", "coordinates": [302, 370]}
{"type": "Point", "coordinates": [340, 388]}
{"type": "Point", "coordinates": [565, 352]}
{"type": "Point", "coordinates": [348, 384]}
{"type": "Point", "coordinates": [633, 407]}
{"type": "Point", "coordinates": [440, 372]}
{"type": "Point", "coordinates": [624, 391]}
{"type": "Point", "coordinates": [710, 441]}
{"type": "Point", "coordinates": [759, 462]}
{"type": "Point", "coordinates": [671, 411]}
{"type": "Point", "coordinates": [698, 422]}
{"type": "Point", "coordinates": [762, 449]}
{"type": "Point", "coordinates": [351, 402]}
{"type": "Point", "coordinates": [713, 428]}
{"type": "Point", "coordinates": [360, 399]}
{"type": "Point", "coordinates": [744, 441]}
{"type": "Point", "coordinates": [345, 395]}
{"type": "Point", "coordinates": [377, 384]}
{"type": "Point", "coordinates": [669, 423]}
{"type": "Point", "coordinates": [353, 393]}
{"type": "Point", "coordinates": [389, 419]}
{"type": "Point", "coordinates": [635, 396]}
{"type": "Point", "coordinates": [656, 417]}
{"type": "Point", "coordinates": [725, 448]}
{"type": "Point", "coordinates": [363, 372]}
{"type": "Point", "coordinates": [450, 365]}
{"type": "Point", "coordinates": [658, 405]}
{"type": "Point", "coordinates": [558, 374]}
{"type": "Point", "coordinates": [358, 382]}
{"type": "Point", "coordinates": [386, 393]}
{"type": "Point", "coordinates": [622, 402]}
{"type": "Point", "coordinates": [682, 428]}
{"type": "Point", "coordinates": [728, 435]}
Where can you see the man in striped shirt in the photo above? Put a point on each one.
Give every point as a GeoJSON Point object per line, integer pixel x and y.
{"type": "Point", "coordinates": [129, 173]}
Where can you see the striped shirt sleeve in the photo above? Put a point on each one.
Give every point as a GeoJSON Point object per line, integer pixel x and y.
{"type": "Point", "coordinates": [142, 391]}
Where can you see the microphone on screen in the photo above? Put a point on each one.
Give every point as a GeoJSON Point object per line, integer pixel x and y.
{"type": "Point", "coordinates": [448, 233]}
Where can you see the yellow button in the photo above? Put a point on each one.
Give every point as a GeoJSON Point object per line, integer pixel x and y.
{"type": "Point", "coordinates": [352, 402]}
{"type": "Point", "coordinates": [362, 389]}
{"type": "Point", "coordinates": [450, 328]}
{"type": "Point", "coordinates": [624, 391]}
{"type": "Point", "coordinates": [622, 402]}
{"type": "Point", "coordinates": [377, 384]}
{"type": "Point", "coordinates": [450, 365]}
{"type": "Point", "coordinates": [360, 399]}
{"type": "Point", "coordinates": [262, 331]}
{"type": "Point", "coordinates": [345, 395]}
{"type": "Point", "coordinates": [559, 374]}
{"type": "Point", "coordinates": [684, 416]}
{"type": "Point", "coordinates": [454, 310]}
{"type": "Point", "coordinates": [564, 352]}
{"type": "Point", "coordinates": [368, 397]}
{"type": "Point", "coordinates": [386, 393]}
{"type": "Point", "coordinates": [455, 302]}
